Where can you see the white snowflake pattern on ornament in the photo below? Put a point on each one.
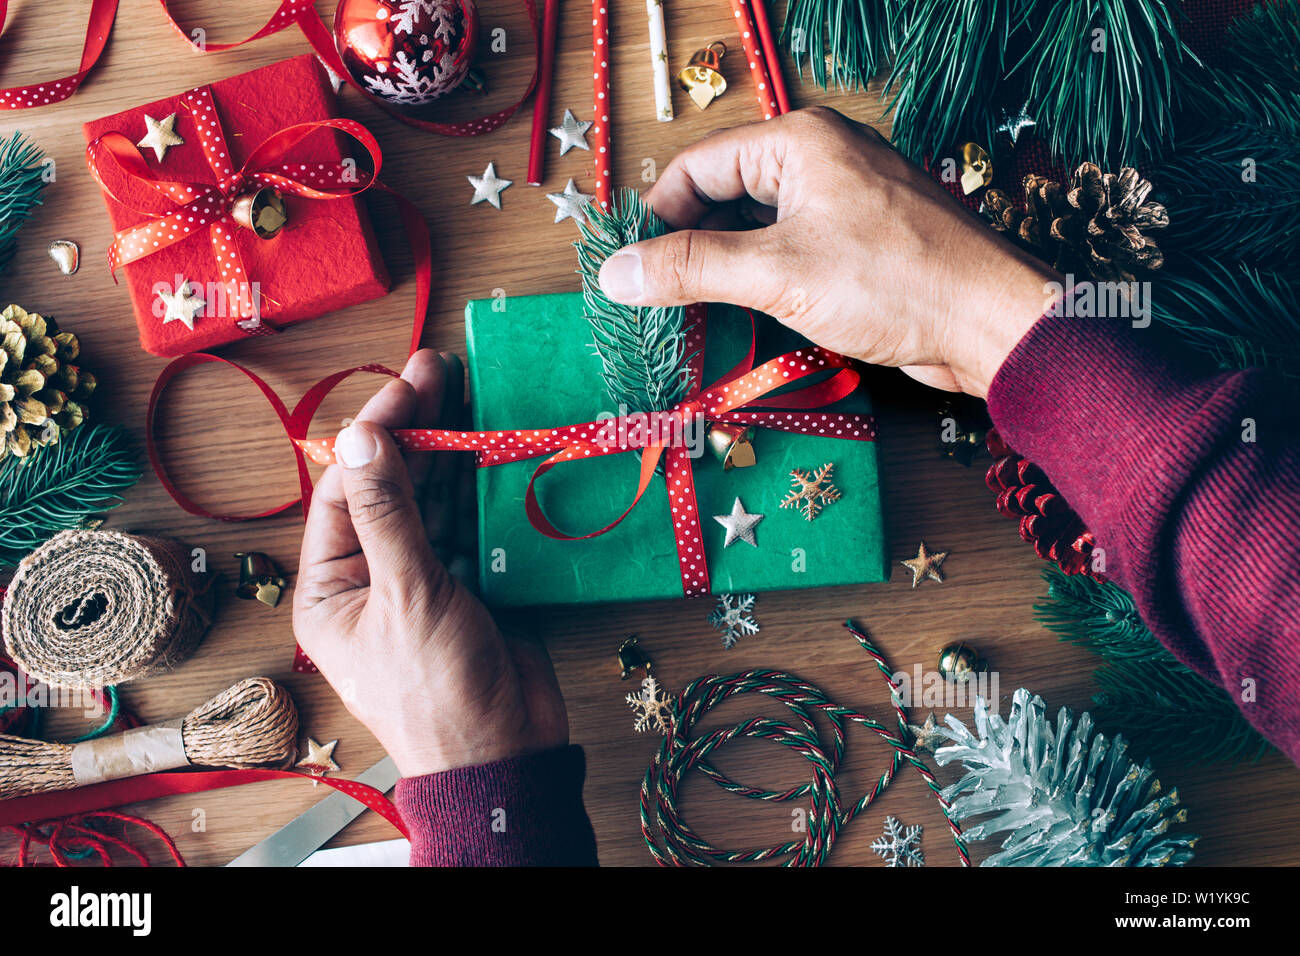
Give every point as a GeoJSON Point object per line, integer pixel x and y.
{"type": "Point", "coordinates": [410, 12]}
{"type": "Point", "coordinates": [411, 88]}
{"type": "Point", "coordinates": [899, 845]}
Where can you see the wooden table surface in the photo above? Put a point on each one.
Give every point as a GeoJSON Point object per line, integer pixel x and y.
{"type": "Point", "coordinates": [228, 452]}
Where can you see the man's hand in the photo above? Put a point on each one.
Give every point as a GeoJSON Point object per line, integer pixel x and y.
{"type": "Point", "coordinates": [414, 655]}
{"type": "Point", "coordinates": [860, 250]}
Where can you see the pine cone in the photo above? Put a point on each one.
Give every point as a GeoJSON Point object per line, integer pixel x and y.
{"type": "Point", "coordinates": [1097, 227]}
{"type": "Point", "coordinates": [42, 395]}
{"type": "Point", "coordinates": [1046, 519]}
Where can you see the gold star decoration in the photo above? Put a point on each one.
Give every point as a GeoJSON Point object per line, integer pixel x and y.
{"type": "Point", "coordinates": [811, 492]}
{"type": "Point", "coordinates": [925, 565]}
{"type": "Point", "coordinates": [319, 760]}
{"type": "Point", "coordinates": [161, 134]}
{"type": "Point", "coordinates": [928, 736]}
{"type": "Point", "coordinates": [182, 306]}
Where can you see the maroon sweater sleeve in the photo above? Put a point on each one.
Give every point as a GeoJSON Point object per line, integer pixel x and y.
{"type": "Point", "coordinates": [1191, 484]}
{"type": "Point", "coordinates": [521, 811]}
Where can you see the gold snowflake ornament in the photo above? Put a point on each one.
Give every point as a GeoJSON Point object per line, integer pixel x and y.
{"type": "Point", "coordinates": [811, 492]}
{"type": "Point", "coordinates": [652, 708]}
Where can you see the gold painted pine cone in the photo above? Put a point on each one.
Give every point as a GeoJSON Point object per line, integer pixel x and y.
{"type": "Point", "coordinates": [42, 394]}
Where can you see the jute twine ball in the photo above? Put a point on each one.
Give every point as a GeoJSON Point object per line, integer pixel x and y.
{"type": "Point", "coordinates": [94, 608]}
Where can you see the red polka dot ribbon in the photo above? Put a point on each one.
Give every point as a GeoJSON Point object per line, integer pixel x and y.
{"type": "Point", "coordinates": [207, 207]}
{"type": "Point", "coordinates": [100, 25]}
{"type": "Point", "coordinates": [113, 793]}
{"type": "Point", "coordinates": [303, 13]}
{"type": "Point", "coordinates": [731, 399]}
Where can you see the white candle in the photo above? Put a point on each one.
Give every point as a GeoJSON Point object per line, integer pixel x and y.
{"type": "Point", "coordinates": [659, 60]}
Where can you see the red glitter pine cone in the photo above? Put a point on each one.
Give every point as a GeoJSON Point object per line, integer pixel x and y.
{"type": "Point", "coordinates": [1046, 519]}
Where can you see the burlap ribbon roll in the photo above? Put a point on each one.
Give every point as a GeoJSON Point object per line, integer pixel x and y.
{"type": "Point", "coordinates": [94, 608]}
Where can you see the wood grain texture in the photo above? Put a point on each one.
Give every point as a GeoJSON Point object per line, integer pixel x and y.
{"type": "Point", "coordinates": [228, 451]}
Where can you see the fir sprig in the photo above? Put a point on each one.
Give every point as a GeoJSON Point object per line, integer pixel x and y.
{"type": "Point", "coordinates": [63, 486]}
{"type": "Point", "coordinates": [21, 183]}
{"type": "Point", "coordinates": [1143, 690]}
{"type": "Point", "coordinates": [642, 350]}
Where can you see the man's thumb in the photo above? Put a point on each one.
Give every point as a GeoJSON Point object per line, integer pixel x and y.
{"type": "Point", "coordinates": [694, 265]}
{"type": "Point", "coordinates": [381, 502]}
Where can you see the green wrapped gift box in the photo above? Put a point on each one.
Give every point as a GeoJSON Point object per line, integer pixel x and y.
{"type": "Point", "coordinates": [532, 364]}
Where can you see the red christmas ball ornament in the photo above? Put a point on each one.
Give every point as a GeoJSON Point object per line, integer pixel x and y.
{"type": "Point", "coordinates": [406, 52]}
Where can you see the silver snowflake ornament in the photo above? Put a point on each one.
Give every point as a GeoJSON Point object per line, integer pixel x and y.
{"type": "Point", "coordinates": [652, 708]}
{"type": "Point", "coordinates": [571, 133]}
{"type": "Point", "coordinates": [734, 617]}
{"type": "Point", "coordinates": [900, 845]}
{"type": "Point", "coordinates": [570, 204]}
{"type": "Point", "coordinates": [487, 188]}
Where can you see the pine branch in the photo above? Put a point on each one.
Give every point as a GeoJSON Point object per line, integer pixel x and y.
{"type": "Point", "coordinates": [1234, 191]}
{"type": "Point", "coordinates": [845, 42]}
{"type": "Point", "coordinates": [1230, 310]}
{"type": "Point", "coordinates": [1173, 712]}
{"type": "Point", "coordinates": [950, 73]}
{"type": "Point", "coordinates": [21, 183]}
{"type": "Point", "coordinates": [1111, 105]}
{"type": "Point", "coordinates": [1143, 690]}
{"type": "Point", "coordinates": [1097, 615]}
{"type": "Point", "coordinates": [642, 350]}
{"type": "Point", "coordinates": [63, 486]}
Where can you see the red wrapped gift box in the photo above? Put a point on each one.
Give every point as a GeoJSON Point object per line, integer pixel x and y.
{"type": "Point", "coordinates": [324, 258]}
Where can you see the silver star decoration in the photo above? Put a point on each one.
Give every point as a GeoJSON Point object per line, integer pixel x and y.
{"type": "Point", "coordinates": [571, 133]}
{"type": "Point", "coordinates": [488, 187]}
{"type": "Point", "coordinates": [160, 135]}
{"type": "Point", "coordinates": [181, 305]}
{"type": "Point", "coordinates": [570, 204]}
{"type": "Point", "coordinates": [739, 524]}
{"type": "Point", "coordinates": [1014, 125]}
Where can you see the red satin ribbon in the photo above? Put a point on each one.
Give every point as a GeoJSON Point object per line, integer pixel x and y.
{"type": "Point", "coordinates": [321, 38]}
{"type": "Point", "coordinates": [205, 205]}
{"type": "Point", "coordinates": [62, 803]}
{"type": "Point", "coordinates": [730, 399]}
{"type": "Point", "coordinates": [100, 25]}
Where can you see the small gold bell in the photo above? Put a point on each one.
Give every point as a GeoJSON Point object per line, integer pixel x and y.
{"type": "Point", "coordinates": [731, 444]}
{"type": "Point", "coordinates": [632, 658]}
{"type": "Point", "coordinates": [262, 211]}
{"type": "Point", "coordinates": [976, 167]}
{"type": "Point", "coordinates": [66, 255]}
{"type": "Point", "coordinates": [959, 662]}
{"type": "Point", "coordinates": [702, 77]}
{"type": "Point", "coordinates": [259, 578]}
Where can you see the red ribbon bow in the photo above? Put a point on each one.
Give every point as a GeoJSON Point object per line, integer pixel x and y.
{"type": "Point", "coordinates": [210, 205]}
{"type": "Point", "coordinates": [727, 400]}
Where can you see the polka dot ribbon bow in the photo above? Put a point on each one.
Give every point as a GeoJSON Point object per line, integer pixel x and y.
{"type": "Point", "coordinates": [209, 206]}
{"type": "Point", "coordinates": [728, 400]}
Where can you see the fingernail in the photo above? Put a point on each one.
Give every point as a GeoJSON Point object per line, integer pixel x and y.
{"type": "Point", "coordinates": [621, 277]}
{"type": "Point", "coordinates": [355, 447]}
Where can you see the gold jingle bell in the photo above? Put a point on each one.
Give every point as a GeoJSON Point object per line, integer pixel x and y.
{"type": "Point", "coordinates": [959, 662]}
{"type": "Point", "coordinates": [731, 444]}
{"type": "Point", "coordinates": [702, 77]}
{"type": "Point", "coordinates": [262, 211]}
{"type": "Point", "coordinates": [976, 167]}
{"type": "Point", "coordinates": [259, 578]}
{"type": "Point", "coordinates": [632, 658]}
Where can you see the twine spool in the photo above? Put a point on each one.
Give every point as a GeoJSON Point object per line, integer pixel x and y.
{"type": "Point", "coordinates": [252, 724]}
{"type": "Point", "coordinates": [95, 608]}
